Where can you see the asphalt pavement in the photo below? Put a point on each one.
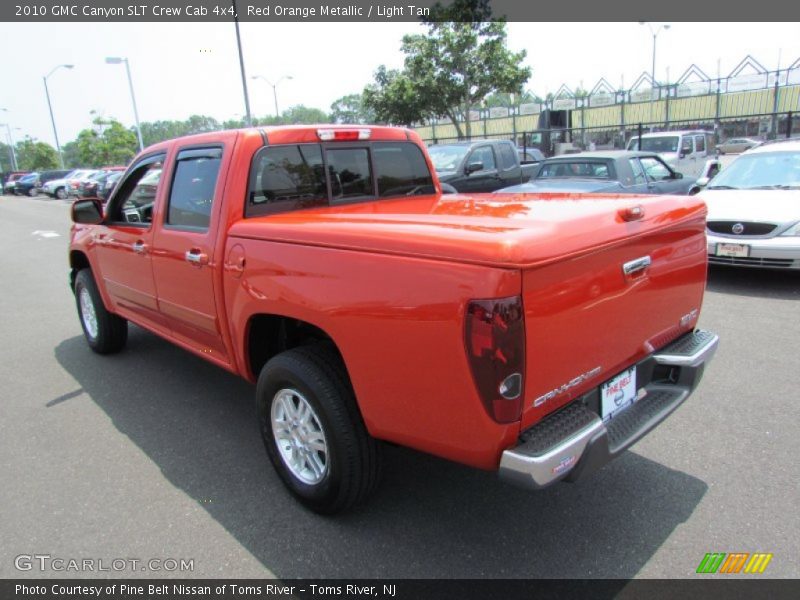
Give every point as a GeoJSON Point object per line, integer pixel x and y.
{"type": "Point", "coordinates": [155, 454]}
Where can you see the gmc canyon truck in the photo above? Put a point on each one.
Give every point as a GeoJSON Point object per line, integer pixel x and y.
{"type": "Point", "coordinates": [538, 336]}
{"type": "Point", "coordinates": [482, 166]}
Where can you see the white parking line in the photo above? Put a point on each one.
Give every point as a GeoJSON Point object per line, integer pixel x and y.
{"type": "Point", "coordinates": [46, 234]}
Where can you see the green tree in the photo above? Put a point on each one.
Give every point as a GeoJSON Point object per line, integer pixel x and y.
{"type": "Point", "coordinates": [305, 115]}
{"type": "Point", "coordinates": [108, 142]}
{"type": "Point", "coordinates": [5, 158]}
{"type": "Point", "coordinates": [451, 69]}
{"type": "Point", "coordinates": [72, 159]}
{"type": "Point", "coordinates": [395, 99]}
{"type": "Point", "coordinates": [351, 109]}
{"type": "Point", "coordinates": [36, 156]}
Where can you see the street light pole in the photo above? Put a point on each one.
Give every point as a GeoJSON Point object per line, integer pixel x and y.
{"type": "Point", "coordinates": [248, 117]}
{"type": "Point", "coordinates": [654, 33]}
{"type": "Point", "coordinates": [115, 60]}
{"type": "Point", "coordinates": [274, 89]}
{"type": "Point", "coordinates": [50, 107]}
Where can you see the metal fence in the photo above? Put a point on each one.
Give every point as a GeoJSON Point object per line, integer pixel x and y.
{"type": "Point", "coordinates": [756, 104]}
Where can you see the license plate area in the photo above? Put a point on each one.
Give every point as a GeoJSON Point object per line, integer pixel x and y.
{"type": "Point", "coordinates": [617, 394]}
{"type": "Point", "coordinates": [733, 250]}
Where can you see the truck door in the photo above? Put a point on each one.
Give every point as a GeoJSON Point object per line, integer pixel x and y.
{"type": "Point", "coordinates": [183, 251]}
{"type": "Point", "coordinates": [123, 246]}
{"type": "Point", "coordinates": [487, 178]}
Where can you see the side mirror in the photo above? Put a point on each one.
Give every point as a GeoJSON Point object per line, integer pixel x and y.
{"type": "Point", "coordinates": [88, 211]}
{"type": "Point", "coordinates": [677, 175]}
{"type": "Point", "coordinates": [472, 167]}
{"type": "Point", "coordinates": [703, 181]}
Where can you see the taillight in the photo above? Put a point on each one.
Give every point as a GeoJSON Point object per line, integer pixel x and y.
{"type": "Point", "coordinates": [495, 345]}
{"type": "Point", "coordinates": [343, 135]}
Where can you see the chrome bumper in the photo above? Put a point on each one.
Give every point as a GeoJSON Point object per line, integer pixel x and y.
{"type": "Point", "coordinates": [575, 441]}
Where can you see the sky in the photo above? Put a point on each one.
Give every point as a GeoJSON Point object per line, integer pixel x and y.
{"type": "Point", "coordinates": [183, 69]}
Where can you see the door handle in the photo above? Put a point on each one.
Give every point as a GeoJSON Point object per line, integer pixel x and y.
{"type": "Point", "coordinates": [636, 265]}
{"type": "Point", "coordinates": [195, 257]}
{"type": "Point", "coordinates": [139, 247]}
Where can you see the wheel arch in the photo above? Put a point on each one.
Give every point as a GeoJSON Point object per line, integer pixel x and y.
{"type": "Point", "coordinates": [269, 334]}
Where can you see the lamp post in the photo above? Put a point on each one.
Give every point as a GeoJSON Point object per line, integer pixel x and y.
{"type": "Point", "coordinates": [274, 89]}
{"type": "Point", "coordinates": [13, 154]}
{"type": "Point", "coordinates": [50, 107]}
{"type": "Point", "coordinates": [115, 60]}
{"type": "Point", "coordinates": [654, 33]}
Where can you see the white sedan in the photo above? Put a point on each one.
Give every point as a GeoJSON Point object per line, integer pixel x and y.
{"type": "Point", "coordinates": [754, 209]}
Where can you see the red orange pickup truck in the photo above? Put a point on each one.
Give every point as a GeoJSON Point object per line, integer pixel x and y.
{"type": "Point", "coordinates": [536, 335]}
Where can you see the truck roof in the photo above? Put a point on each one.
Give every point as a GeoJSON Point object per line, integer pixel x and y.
{"type": "Point", "coordinates": [294, 134]}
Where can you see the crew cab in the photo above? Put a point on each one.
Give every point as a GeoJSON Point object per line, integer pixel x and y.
{"type": "Point", "coordinates": [482, 166]}
{"type": "Point", "coordinates": [535, 335]}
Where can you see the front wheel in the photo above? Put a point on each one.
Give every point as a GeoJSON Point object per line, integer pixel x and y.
{"type": "Point", "coordinates": [105, 332]}
{"type": "Point", "coordinates": [61, 193]}
{"type": "Point", "coordinates": [313, 431]}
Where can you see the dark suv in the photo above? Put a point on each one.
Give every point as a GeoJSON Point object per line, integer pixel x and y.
{"type": "Point", "coordinates": [30, 185]}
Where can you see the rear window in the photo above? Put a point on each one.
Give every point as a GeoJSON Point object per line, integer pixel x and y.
{"type": "Point", "coordinates": [583, 169]}
{"type": "Point", "coordinates": [401, 170]}
{"type": "Point", "coordinates": [294, 177]}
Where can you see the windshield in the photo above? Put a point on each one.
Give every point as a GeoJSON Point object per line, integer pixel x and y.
{"type": "Point", "coordinates": [762, 170]}
{"type": "Point", "coordinates": [664, 143]}
{"type": "Point", "coordinates": [447, 158]}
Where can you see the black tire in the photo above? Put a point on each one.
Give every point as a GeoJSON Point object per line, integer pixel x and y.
{"type": "Point", "coordinates": [32, 193]}
{"type": "Point", "coordinates": [352, 462]}
{"type": "Point", "coordinates": [61, 193]}
{"type": "Point", "coordinates": [110, 332]}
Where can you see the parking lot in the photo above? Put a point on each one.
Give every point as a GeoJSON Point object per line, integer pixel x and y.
{"type": "Point", "coordinates": [154, 453]}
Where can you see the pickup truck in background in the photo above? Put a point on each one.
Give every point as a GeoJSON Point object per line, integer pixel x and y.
{"type": "Point", "coordinates": [535, 335]}
{"type": "Point", "coordinates": [482, 166]}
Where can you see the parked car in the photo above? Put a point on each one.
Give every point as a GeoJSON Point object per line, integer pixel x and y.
{"type": "Point", "coordinates": [482, 166]}
{"type": "Point", "coordinates": [11, 181]}
{"type": "Point", "coordinates": [536, 337]}
{"type": "Point", "coordinates": [734, 145]}
{"type": "Point", "coordinates": [611, 172]}
{"type": "Point", "coordinates": [75, 183]}
{"type": "Point", "coordinates": [754, 209]}
{"type": "Point", "coordinates": [31, 185]}
{"type": "Point", "coordinates": [26, 185]}
{"type": "Point", "coordinates": [57, 188]}
{"type": "Point", "coordinates": [684, 151]}
{"type": "Point", "coordinates": [104, 191]}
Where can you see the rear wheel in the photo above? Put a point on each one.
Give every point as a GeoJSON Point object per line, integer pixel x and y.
{"type": "Point", "coordinates": [105, 332]}
{"type": "Point", "coordinates": [313, 431]}
{"type": "Point", "coordinates": [61, 193]}
{"type": "Point", "coordinates": [32, 192]}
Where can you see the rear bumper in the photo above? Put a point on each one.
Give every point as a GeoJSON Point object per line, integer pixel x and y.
{"type": "Point", "coordinates": [575, 441]}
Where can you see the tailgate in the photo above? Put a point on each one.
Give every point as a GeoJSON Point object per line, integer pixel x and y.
{"type": "Point", "coordinates": [586, 319]}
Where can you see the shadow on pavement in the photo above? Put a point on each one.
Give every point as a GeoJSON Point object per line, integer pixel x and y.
{"type": "Point", "coordinates": [759, 283]}
{"type": "Point", "coordinates": [430, 518]}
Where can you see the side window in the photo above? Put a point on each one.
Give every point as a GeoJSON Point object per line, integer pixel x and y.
{"type": "Point", "coordinates": [193, 187]}
{"type": "Point", "coordinates": [401, 170]}
{"type": "Point", "coordinates": [287, 178]}
{"type": "Point", "coordinates": [638, 172]}
{"type": "Point", "coordinates": [655, 169]}
{"type": "Point", "coordinates": [700, 143]}
{"type": "Point", "coordinates": [686, 145]}
{"type": "Point", "coordinates": [350, 172]}
{"type": "Point", "coordinates": [485, 155]}
{"type": "Point", "coordinates": [137, 195]}
{"type": "Point", "coordinates": [508, 158]}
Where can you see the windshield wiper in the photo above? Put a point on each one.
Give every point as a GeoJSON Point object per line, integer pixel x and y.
{"type": "Point", "coordinates": [722, 187]}
{"type": "Point", "coordinates": [777, 186]}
